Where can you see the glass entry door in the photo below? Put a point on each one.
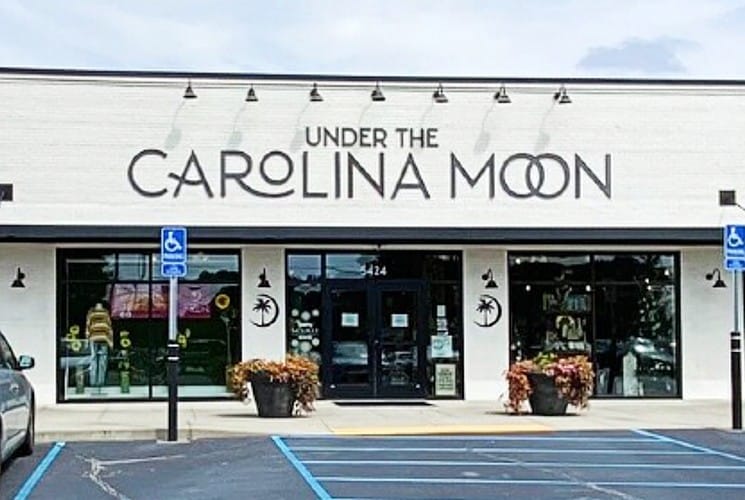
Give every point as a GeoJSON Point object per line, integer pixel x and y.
{"type": "Point", "coordinates": [376, 340]}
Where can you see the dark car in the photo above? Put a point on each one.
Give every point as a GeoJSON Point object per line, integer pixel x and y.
{"type": "Point", "coordinates": [16, 404]}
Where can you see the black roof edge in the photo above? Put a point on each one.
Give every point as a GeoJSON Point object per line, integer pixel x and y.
{"type": "Point", "coordinates": [371, 235]}
{"type": "Point", "coordinates": [360, 78]}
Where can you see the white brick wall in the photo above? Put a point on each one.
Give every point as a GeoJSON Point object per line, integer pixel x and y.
{"type": "Point", "coordinates": [28, 315]}
{"type": "Point", "coordinates": [66, 146]}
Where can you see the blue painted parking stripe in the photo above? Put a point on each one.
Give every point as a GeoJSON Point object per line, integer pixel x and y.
{"type": "Point", "coordinates": [497, 450]}
{"type": "Point", "coordinates": [686, 444]}
{"type": "Point", "coordinates": [302, 470]}
{"type": "Point", "coordinates": [547, 482]}
{"type": "Point", "coordinates": [578, 465]}
{"type": "Point", "coordinates": [39, 471]}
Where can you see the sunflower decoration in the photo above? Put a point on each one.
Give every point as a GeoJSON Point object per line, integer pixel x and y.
{"type": "Point", "coordinates": [125, 341]}
{"type": "Point", "coordinates": [183, 338]}
{"type": "Point", "coordinates": [71, 337]}
{"type": "Point", "coordinates": [222, 301]}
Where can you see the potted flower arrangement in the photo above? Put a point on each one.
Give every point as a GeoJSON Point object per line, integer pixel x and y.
{"type": "Point", "coordinates": [550, 383]}
{"type": "Point", "coordinates": [280, 388]}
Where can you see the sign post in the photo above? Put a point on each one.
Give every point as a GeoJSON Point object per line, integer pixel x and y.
{"type": "Point", "coordinates": [173, 243]}
{"type": "Point", "coordinates": [734, 260]}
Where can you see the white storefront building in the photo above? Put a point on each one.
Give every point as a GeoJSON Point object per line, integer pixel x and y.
{"type": "Point", "coordinates": [412, 245]}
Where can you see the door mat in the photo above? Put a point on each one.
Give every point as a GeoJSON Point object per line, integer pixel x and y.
{"type": "Point", "coordinates": [382, 403]}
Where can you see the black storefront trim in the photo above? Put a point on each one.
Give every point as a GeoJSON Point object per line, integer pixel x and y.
{"type": "Point", "coordinates": [101, 73]}
{"type": "Point", "coordinates": [372, 235]}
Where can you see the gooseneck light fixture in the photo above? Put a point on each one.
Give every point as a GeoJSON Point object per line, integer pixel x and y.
{"type": "Point", "coordinates": [263, 282]}
{"type": "Point", "coordinates": [189, 93]}
{"type": "Point", "coordinates": [718, 283]}
{"type": "Point", "coordinates": [251, 95]}
{"type": "Point", "coordinates": [18, 282]}
{"type": "Point", "coordinates": [561, 96]}
{"type": "Point", "coordinates": [501, 96]}
{"type": "Point", "coordinates": [488, 276]}
{"type": "Point", "coordinates": [377, 94]}
{"type": "Point", "coordinates": [439, 95]}
{"type": "Point", "coordinates": [315, 96]}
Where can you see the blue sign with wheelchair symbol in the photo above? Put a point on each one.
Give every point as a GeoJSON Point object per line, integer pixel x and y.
{"type": "Point", "coordinates": [173, 251]}
{"type": "Point", "coordinates": [734, 248]}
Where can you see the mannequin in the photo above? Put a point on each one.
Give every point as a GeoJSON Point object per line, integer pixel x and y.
{"type": "Point", "coordinates": [101, 337]}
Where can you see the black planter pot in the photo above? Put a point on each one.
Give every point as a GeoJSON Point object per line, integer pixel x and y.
{"type": "Point", "coordinates": [273, 399]}
{"type": "Point", "coordinates": [545, 398]}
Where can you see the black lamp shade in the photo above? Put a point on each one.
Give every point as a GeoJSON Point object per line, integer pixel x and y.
{"type": "Point", "coordinates": [189, 93]}
{"type": "Point", "coordinates": [501, 96]}
{"type": "Point", "coordinates": [315, 96]}
{"type": "Point", "coordinates": [251, 95]}
{"type": "Point", "coordinates": [18, 282]}
{"type": "Point", "coordinates": [377, 94]}
{"type": "Point", "coordinates": [439, 95]}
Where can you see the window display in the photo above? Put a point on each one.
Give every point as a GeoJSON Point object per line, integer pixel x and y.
{"type": "Point", "coordinates": [619, 309]}
{"type": "Point", "coordinates": [114, 316]}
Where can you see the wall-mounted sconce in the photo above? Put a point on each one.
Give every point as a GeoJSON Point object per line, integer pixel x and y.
{"type": "Point", "coordinates": [488, 277]}
{"type": "Point", "coordinates": [562, 97]}
{"type": "Point", "coordinates": [377, 94]}
{"type": "Point", "coordinates": [315, 95]}
{"type": "Point", "coordinates": [501, 96]}
{"type": "Point", "coordinates": [251, 95]}
{"type": "Point", "coordinates": [263, 282]}
{"type": "Point", "coordinates": [189, 93]}
{"type": "Point", "coordinates": [439, 95]}
{"type": "Point", "coordinates": [718, 283]}
{"type": "Point", "coordinates": [18, 282]}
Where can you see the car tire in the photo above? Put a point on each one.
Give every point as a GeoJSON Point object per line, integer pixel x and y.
{"type": "Point", "coordinates": [27, 447]}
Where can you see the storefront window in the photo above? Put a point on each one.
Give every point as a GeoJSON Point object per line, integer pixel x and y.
{"type": "Point", "coordinates": [618, 309]}
{"type": "Point", "coordinates": [352, 266]}
{"type": "Point", "coordinates": [304, 267]}
{"type": "Point", "coordinates": [304, 306]}
{"type": "Point", "coordinates": [114, 325]}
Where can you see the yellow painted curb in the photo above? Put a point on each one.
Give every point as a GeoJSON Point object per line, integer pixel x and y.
{"type": "Point", "coordinates": [440, 429]}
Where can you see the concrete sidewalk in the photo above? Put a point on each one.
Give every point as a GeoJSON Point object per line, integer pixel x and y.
{"type": "Point", "coordinates": [127, 421]}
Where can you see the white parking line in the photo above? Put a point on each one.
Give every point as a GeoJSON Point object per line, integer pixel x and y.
{"type": "Point", "coordinates": [685, 444]}
{"type": "Point", "coordinates": [494, 450]}
{"type": "Point", "coordinates": [518, 482]}
{"type": "Point", "coordinates": [578, 465]}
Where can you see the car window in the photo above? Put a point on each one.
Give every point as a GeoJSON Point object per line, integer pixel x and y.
{"type": "Point", "coordinates": [7, 359]}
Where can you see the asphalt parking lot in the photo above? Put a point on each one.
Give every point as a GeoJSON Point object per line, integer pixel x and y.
{"type": "Point", "coordinates": [613, 464]}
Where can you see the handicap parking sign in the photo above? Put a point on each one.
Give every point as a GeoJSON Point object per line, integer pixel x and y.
{"type": "Point", "coordinates": [734, 248]}
{"type": "Point", "coordinates": [173, 251]}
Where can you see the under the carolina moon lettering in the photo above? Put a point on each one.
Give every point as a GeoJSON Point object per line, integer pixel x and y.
{"type": "Point", "coordinates": [325, 171]}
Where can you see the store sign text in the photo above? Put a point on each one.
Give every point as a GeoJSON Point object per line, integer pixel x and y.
{"type": "Point", "coordinates": [277, 174]}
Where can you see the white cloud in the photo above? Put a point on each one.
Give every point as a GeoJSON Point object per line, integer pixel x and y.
{"type": "Point", "coordinates": [639, 56]}
{"type": "Point", "coordinates": [470, 37]}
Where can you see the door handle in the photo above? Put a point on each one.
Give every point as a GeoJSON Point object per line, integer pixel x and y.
{"type": "Point", "coordinates": [14, 388]}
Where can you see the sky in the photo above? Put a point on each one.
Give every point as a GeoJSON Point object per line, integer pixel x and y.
{"type": "Point", "coordinates": [498, 38]}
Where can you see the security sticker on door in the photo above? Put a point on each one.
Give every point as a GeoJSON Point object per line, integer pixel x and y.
{"type": "Point", "coordinates": [399, 320]}
{"type": "Point", "coordinates": [350, 320]}
{"type": "Point", "coordinates": [442, 346]}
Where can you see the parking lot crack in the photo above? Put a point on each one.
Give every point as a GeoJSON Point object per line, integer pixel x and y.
{"type": "Point", "coordinates": [94, 474]}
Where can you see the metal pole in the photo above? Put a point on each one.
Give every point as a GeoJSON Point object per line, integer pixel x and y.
{"type": "Point", "coordinates": [172, 360]}
{"type": "Point", "coordinates": [735, 359]}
